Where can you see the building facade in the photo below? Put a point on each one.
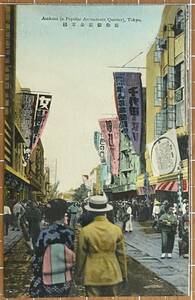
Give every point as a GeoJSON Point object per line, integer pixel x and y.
{"type": "Point", "coordinates": [167, 105]}
{"type": "Point", "coordinates": [16, 182]}
{"type": "Point", "coordinates": [24, 179]}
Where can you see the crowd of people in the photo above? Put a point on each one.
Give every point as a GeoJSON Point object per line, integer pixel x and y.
{"type": "Point", "coordinates": [93, 254]}
{"type": "Point", "coordinates": [25, 217]}
{"type": "Point", "coordinates": [171, 220]}
{"type": "Point", "coordinates": [70, 242]}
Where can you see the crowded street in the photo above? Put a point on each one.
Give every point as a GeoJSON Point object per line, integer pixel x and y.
{"type": "Point", "coordinates": [147, 273]}
{"type": "Point", "coordinates": [96, 167]}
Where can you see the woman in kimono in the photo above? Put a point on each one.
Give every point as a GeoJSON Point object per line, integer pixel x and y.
{"type": "Point", "coordinates": [54, 256]}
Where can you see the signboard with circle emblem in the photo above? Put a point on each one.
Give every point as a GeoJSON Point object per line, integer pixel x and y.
{"type": "Point", "coordinates": [164, 154]}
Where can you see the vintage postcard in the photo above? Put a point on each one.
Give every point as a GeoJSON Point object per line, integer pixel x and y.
{"type": "Point", "coordinates": [96, 179]}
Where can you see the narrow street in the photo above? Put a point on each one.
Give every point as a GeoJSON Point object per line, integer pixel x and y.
{"type": "Point", "coordinates": [147, 273]}
{"type": "Point", "coordinates": [144, 245]}
{"type": "Point", "coordinates": [18, 271]}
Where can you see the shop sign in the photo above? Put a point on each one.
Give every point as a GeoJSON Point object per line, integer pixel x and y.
{"type": "Point", "coordinates": [128, 100]}
{"type": "Point", "coordinates": [100, 145]}
{"type": "Point", "coordinates": [34, 113]}
{"type": "Point", "coordinates": [28, 104]}
{"type": "Point", "coordinates": [41, 115]}
{"type": "Point", "coordinates": [110, 132]}
{"type": "Point", "coordinates": [164, 154]}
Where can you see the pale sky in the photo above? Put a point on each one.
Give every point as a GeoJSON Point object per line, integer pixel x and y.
{"type": "Point", "coordinates": [72, 63]}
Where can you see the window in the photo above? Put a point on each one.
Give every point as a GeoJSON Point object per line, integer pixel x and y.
{"type": "Point", "coordinates": [160, 123]}
{"type": "Point", "coordinates": [161, 44]}
{"type": "Point", "coordinates": [171, 116]}
{"type": "Point", "coordinates": [171, 77]}
{"type": "Point", "coordinates": [179, 22]}
{"type": "Point", "coordinates": [165, 80]}
{"type": "Point", "coordinates": [180, 114]}
{"type": "Point", "coordinates": [164, 120]}
{"type": "Point", "coordinates": [158, 91]}
{"type": "Point", "coordinates": [179, 75]}
{"type": "Point", "coordinates": [157, 56]}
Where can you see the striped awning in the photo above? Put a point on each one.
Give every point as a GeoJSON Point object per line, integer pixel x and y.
{"type": "Point", "coordinates": [171, 186]}
{"type": "Point", "coordinates": [143, 190]}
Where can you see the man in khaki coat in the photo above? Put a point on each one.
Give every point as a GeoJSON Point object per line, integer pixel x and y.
{"type": "Point", "coordinates": [100, 252]}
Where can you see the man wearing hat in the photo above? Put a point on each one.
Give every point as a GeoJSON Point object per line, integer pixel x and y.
{"type": "Point", "coordinates": [100, 256]}
{"type": "Point", "coordinates": [168, 226]}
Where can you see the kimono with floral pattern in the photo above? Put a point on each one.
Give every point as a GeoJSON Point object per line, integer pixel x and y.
{"type": "Point", "coordinates": [55, 233]}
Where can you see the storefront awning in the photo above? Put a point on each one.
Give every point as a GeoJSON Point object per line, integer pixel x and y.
{"type": "Point", "coordinates": [17, 174]}
{"type": "Point", "coordinates": [171, 186]}
{"type": "Point", "coordinates": [143, 190]}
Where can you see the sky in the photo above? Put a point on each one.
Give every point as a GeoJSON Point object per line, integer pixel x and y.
{"type": "Point", "coordinates": [72, 61]}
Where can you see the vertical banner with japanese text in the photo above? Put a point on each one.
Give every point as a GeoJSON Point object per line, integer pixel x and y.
{"type": "Point", "coordinates": [34, 113]}
{"type": "Point", "coordinates": [100, 146]}
{"type": "Point", "coordinates": [28, 106]}
{"type": "Point", "coordinates": [41, 115]}
{"type": "Point", "coordinates": [110, 131]}
{"type": "Point", "coordinates": [128, 99]}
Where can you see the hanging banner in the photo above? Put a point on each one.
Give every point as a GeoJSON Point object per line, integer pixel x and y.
{"type": "Point", "coordinates": [110, 131]}
{"type": "Point", "coordinates": [100, 146]}
{"type": "Point", "coordinates": [103, 175]}
{"type": "Point", "coordinates": [128, 100]}
{"type": "Point", "coordinates": [96, 139]}
{"type": "Point", "coordinates": [164, 154]}
{"type": "Point", "coordinates": [34, 113]}
{"type": "Point", "coordinates": [28, 105]}
{"type": "Point", "coordinates": [41, 115]}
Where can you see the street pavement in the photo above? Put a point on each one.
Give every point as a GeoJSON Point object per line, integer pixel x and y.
{"type": "Point", "coordinates": [141, 281]}
{"type": "Point", "coordinates": [11, 239]}
{"type": "Point", "coordinates": [145, 247]}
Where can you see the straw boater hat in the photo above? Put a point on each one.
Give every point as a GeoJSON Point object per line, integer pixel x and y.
{"type": "Point", "coordinates": [98, 204]}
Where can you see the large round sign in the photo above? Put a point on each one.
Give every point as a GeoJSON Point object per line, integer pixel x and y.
{"type": "Point", "coordinates": [164, 156]}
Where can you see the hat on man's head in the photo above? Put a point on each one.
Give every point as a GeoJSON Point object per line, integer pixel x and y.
{"type": "Point", "coordinates": [98, 204]}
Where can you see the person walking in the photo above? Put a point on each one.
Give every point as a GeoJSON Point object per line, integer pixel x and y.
{"type": "Point", "coordinates": [184, 234]}
{"type": "Point", "coordinates": [72, 211]}
{"type": "Point", "coordinates": [168, 227]}
{"type": "Point", "coordinates": [155, 214]}
{"type": "Point", "coordinates": [134, 208]}
{"type": "Point", "coordinates": [128, 225]}
{"type": "Point", "coordinates": [100, 252]}
{"type": "Point", "coordinates": [6, 218]}
{"type": "Point", "coordinates": [54, 256]}
{"type": "Point", "coordinates": [33, 217]}
{"type": "Point", "coordinates": [79, 213]}
{"type": "Point", "coordinates": [124, 215]}
{"type": "Point", "coordinates": [18, 211]}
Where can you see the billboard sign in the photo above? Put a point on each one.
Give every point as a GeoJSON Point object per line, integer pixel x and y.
{"type": "Point", "coordinates": [41, 115]}
{"type": "Point", "coordinates": [110, 131]}
{"type": "Point", "coordinates": [128, 100]}
{"type": "Point", "coordinates": [28, 106]}
{"type": "Point", "coordinates": [164, 154]}
{"type": "Point", "coordinates": [100, 146]}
